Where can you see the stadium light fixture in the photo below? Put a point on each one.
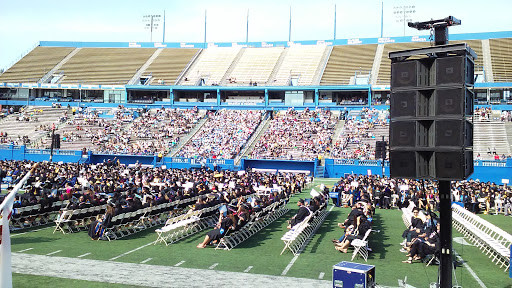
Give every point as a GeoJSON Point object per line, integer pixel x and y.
{"type": "Point", "coordinates": [151, 22]}
{"type": "Point", "coordinates": [403, 14]}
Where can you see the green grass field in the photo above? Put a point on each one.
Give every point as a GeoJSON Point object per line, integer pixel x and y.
{"type": "Point", "coordinates": [262, 252]}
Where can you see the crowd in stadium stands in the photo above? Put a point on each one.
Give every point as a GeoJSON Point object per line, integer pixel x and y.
{"type": "Point", "coordinates": [356, 131]}
{"type": "Point", "coordinates": [223, 135]}
{"type": "Point", "coordinates": [297, 135]}
{"type": "Point", "coordinates": [132, 188]}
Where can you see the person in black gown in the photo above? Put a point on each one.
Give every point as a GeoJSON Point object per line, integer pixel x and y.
{"type": "Point", "coordinates": [227, 223]}
{"type": "Point", "coordinates": [97, 227]}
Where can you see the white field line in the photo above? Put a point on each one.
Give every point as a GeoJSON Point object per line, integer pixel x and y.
{"type": "Point", "coordinates": [25, 250]}
{"type": "Point", "coordinates": [83, 255]}
{"type": "Point", "coordinates": [179, 263]}
{"type": "Point", "coordinates": [469, 270]}
{"type": "Point", "coordinates": [248, 269]}
{"type": "Point", "coordinates": [297, 256]}
{"type": "Point", "coordinates": [290, 265]}
{"type": "Point", "coordinates": [213, 266]}
{"type": "Point", "coordinates": [147, 260]}
{"type": "Point", "coordinates": [54, 252]}
{"type": "Point", "coordinates": [321, 276]}
{"type": "Point", "coordinates": [131, 251]}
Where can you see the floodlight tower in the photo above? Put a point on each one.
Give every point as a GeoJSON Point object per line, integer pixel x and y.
{"type": "Point", "coordinates": [151, 22]}
{"type": "Point", "coordinates": [403, 14]}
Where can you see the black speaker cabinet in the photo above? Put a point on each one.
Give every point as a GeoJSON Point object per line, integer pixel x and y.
{"type": "Point", "coordinates": [412, 103]}
{"type": "Point", "coordinates": [455, 70]}
{"type": "Point", "coordinates": [454, 165]}
{"type": "Point", "coordinates": [412, 73]}
{"type": "Point", "coordinates": [402, 164]}
{"type": "Point", "coordinates": [456, 133]}
{"type": "Point", "coordinates": [402, 133]}
{"type": "Point", "coordinates": [454, 102]}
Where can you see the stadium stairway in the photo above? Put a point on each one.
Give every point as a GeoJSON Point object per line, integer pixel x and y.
{"type": "Point", "coordinates": [321, 68]}
{"type": "Point", "coordinates": [489, 135]}
{"type": "Point", "coordinates": [48, 77]}
{"type": "Point", "coordinates": [187, 138]}
{"type": "Point", "coordinates": [136, 78]}
{"type": "Point", "coordinates": [276, 68]}
{"type": "Point", "coordinates": [223, 81]}
{"type": "Point", "coordinates": [253, 140]}
{"type": "Point", "coordinates": [337, 131]}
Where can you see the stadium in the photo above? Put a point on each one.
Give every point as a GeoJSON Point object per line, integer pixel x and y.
{"type": "Point", "coordinates": [179, 137]}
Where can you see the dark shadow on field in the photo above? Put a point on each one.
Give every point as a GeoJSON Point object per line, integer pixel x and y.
{"type": "Point", "coordinates": [377, 239]}
{"type": "Point", "coordinates": [278, 226]}
{"type": "Point", "coordinates": [330, 224]}
{"type": "Point", "coordinates": [26, 240]}
{"type": "Point", "coordinates": [30, 229]}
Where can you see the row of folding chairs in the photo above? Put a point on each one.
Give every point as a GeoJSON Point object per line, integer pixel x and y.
{"type": "Point", "coordinates": [492, 240]}
{"type": "Point", "coordinates": [35, 215]}
{"type": "Point", "coordinates": [130, 223]}
{"type": "Point", "coordinates": [76, 220]}
{"type": "Point", "coordinates": [297, 238]}
{"type": "Point", "coordinates": [184, 225]}
{"type": "Point", "coordinates": [257, 222]}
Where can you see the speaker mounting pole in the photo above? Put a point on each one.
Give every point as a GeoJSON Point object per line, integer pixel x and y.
{"type": "Point", "coordinates": [431, 135]}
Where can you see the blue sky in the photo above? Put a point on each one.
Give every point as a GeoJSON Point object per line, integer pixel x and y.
{"type": "Point", "coordinates": [24, 23]}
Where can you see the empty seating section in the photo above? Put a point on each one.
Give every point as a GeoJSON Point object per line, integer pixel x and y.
{"type": "Point", "coordinates": [211, 66]}
{"type": "Point", "coordinates": [223, 135]}
{"type": "Point", "coordinates": [35, 64]}
{"type": "Point", "coordinates": [476, 45]}
{"type": "Point", "coordinates": [301, 62]}
{"type": "Point", "coordinates": [297, 135]}
{"type": "Point", "coordinates": [30, 125]}
{"type": "Point", "coordinates": [501, 58]}
{"type": "Point", "coordinates": [492, 240]}
{"type": "Point", "coordinates": [104, 65]}
{"type": "Point", "coordinates": [347, 60]}
{"type": "Point", "coordinates": [255, 66]}
{"type": "Point", "coordinates": [166, 68]}
{"type": "Point", "coordinates": [490, 137]}
{"type": "Point", "coordinates": [384, 77]}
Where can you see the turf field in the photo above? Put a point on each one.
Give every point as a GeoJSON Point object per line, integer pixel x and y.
{"type": "Point", "coordinates": [260, 253]}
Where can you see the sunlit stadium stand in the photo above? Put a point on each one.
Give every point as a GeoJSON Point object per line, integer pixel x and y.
{"type": "Point", "coordinates": [384, 75]}
{"type": "Point", "coordinates": [501, 54]}
{"type": "Point", "coordinates": [33, 123]}
{"type": "Point", "coordinates": [169, 64]}
{"type": "Point", "coordinates": [210, 67]}
{"type": "Point", "coordinates": [301, 64]}
{"type": "Point", "coordinates": [255, 66]}
{"type": "Point", "coordinates": [104, 65]}
{"type": "Point", "coordinates": [345, 61]}
{"type": "Point", "coordinates": [35, 65]}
